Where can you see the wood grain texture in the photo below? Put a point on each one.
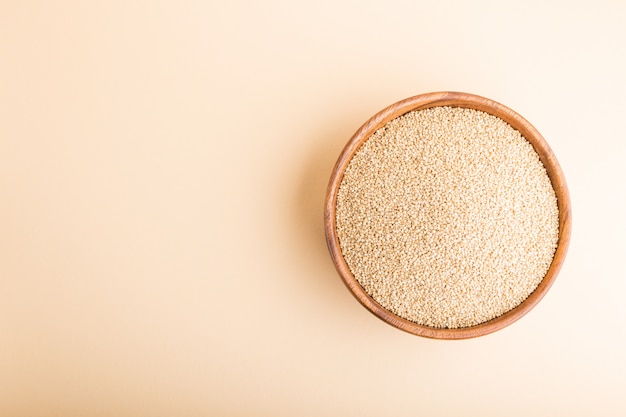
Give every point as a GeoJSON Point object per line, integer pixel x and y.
{"type": "Point", "coordinates": [454, 99]}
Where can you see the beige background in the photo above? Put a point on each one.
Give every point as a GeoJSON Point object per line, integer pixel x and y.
{"type": "Point", "coordinates": [162, 172]}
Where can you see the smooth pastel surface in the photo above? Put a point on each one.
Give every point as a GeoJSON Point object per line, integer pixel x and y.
{"type": "Point", "coordinates": [163, 167]}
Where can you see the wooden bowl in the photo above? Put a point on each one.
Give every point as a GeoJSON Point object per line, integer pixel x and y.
{"type": "Point", "coordinates": [452, 99]}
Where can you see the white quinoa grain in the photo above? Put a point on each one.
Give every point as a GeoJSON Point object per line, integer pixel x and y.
{"type": "Point", "coordinates": [447, 217]}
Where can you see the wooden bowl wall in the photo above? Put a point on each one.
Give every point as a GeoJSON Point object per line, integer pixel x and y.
{"type": "Point", "coordinates": [453, 99]}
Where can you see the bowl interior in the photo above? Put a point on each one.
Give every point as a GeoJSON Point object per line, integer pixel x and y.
{"type": "Point", "coordinates": [452, 99]}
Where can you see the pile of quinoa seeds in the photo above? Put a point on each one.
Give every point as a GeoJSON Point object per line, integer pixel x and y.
{"type": "Point", "coordinates": [446, 217]}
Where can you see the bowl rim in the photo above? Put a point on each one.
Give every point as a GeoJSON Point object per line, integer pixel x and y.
{"type": "Point", "coordinates": [452, 99]}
